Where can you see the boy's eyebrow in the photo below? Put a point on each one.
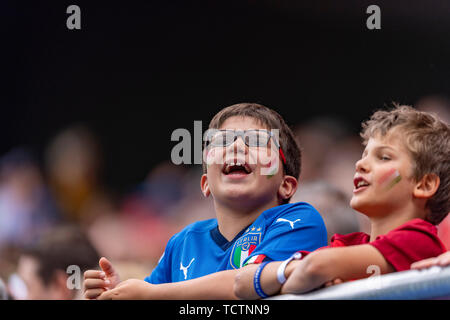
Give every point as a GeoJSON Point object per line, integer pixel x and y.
{"type": "Point", "coordinates": [377, 148]}
{"type": "Point", "coordinates": [384, 147]}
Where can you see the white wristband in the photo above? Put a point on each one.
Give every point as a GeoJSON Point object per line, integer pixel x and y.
{"type": "Point", "coordinates": [280, 271]}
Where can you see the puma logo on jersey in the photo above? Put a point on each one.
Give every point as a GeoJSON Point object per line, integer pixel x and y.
{"type": "Point", "coordinates": [185, 269]}
{"type": "Point", "coordinates": [291, 223]}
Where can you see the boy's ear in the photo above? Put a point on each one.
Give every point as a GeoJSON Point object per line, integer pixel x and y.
{"type": "Point", "coordinates": [204, 185]}
{"type": "Point", "coordinates": [287, 187]}
{"type": "Point", "coordinates": [427, 186]}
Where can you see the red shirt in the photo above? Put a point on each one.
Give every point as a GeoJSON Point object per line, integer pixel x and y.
{"type": "Point", "coordinates": [444, 231]}
{"type": "Point", "coordinates": [413, 241]}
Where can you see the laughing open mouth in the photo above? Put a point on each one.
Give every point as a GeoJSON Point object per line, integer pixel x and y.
{"type": "Point", "coordinates": [360, 182]}
{"type": "Point", "coordinates": [236, 168]}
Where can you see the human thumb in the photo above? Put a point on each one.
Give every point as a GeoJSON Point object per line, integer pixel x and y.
{"type": "Point", "coordinates": [107, 267]}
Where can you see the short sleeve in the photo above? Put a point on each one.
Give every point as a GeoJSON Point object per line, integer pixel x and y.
{"type": "Point", "coordinates": [161, 273]}
{"type": "Point", "coordinates": [410, 243]}
{"type": "Point", "coordinates": [301, 228]}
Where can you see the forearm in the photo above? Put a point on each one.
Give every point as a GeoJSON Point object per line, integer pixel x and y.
{"type": "Point", "coordinates": [345, 263]}
{"type": "Point", "coordinates": [303, 276]}
{"type": "Point", "coordinates": [244, 285]}
{"type": "Point", "coordinates": [216, 286]}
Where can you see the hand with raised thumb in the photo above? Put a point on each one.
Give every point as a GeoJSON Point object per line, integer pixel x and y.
{"type": "Point", "coordinates": [98, 281]}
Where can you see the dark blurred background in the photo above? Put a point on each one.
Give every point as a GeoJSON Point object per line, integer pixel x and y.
{"type": "Point", "coordinates": [87, 115]}
{"type": "Point", "coordinates": [138, 70]}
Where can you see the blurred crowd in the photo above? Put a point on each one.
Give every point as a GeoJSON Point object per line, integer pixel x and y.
{"type": "Point", "coordinates": [61, 211]}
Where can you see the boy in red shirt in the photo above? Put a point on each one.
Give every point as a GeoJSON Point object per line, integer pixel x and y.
{"type": "Point", "coordinates": [402, 183]}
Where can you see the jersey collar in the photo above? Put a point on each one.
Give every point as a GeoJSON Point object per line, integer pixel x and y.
{"type": "Point", "coordinates": [221, 241]}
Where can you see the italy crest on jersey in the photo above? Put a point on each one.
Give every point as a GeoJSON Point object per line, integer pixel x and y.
{"type": "Point", "coordinates": [244, 246]}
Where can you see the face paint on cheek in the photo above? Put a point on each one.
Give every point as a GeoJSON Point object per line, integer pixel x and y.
{"type": "Point", "coordinates": [390, 179]}
{"type": "Point", "coordinates": [271, 169]}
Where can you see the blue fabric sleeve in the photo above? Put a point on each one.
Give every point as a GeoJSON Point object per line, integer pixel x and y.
{"type": "Point", "coordinates": [281, 240]}
{"type": "Point", "coordinates": [161, 274]}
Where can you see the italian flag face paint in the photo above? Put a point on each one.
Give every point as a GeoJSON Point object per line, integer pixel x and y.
{"type": "Point", "coordinates": [271, 168]}
{"type": "Point", "coordinates": [390, 179]}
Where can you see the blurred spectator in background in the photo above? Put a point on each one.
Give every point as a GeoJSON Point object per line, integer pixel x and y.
{"type": "Point", "coordinates": [193, 206]}
{"type": "Point", "coordinates": [332, 204]}
{"type": "Point", "coordinates": [42, 272]}
{"type": "Point", "coordinates": [158, 208]}
{"type": "Point", "coordinates": [74, 163]}
{"type": "Point", "coordinates": [339, 168]}
{"type": "Point", "coordinates": [328, 165]}
{"type": "Point", "coordinates": [146, 212]}
{"type": "Point", "coordinates": [74, 167]}
{"type": "Point", "coordinates": [315, 137]}
{"type": "Point", "coordinates": [339, 164]}
{"type": "Point", "coordinates": [3, 292]}
{"type": "Point", "coordinates": [26, 206]}
{"type": "Point", "coordinates": [163, 188]}
{"type": "Point", "coordinates": [440, 105]}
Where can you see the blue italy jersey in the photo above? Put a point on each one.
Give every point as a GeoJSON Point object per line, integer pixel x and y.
{"type": "Point", "coordinates": [200, 249]}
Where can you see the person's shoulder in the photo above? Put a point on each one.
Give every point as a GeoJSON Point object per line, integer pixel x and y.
{"type": "Point", "coordinates": [417, 225]}
{"type": "Point", "coordinates": [415, 232]}
{"type": "Point", "coordinates": [300, 210]}
{"type": "Point", "coordinates": [193, 232]}
{"type": "Point", "coordinates": [412, 241]}
{"type": "Point", "coordinates": [303, 207]}
{"type": "Point", "coordinates": [197, 227]}
{"type": "Point", "coordinates": [349, 239]}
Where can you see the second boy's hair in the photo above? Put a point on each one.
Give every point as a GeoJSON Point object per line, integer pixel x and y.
{"type": "Point", "coordinates": [61, 247]}
{"type": "Point", "coordinates": [428, 141]}
{"type": "Point", "coordinates": [271, 120]}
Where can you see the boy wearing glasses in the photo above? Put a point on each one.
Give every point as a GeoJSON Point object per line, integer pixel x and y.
{"type": "Point", "coordinates": [251, 169]}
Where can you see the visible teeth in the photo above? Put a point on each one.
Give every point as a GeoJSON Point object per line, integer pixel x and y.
{"type": "Point", "coordinates": [236, 166]}
{"type": "Point", "coordinates": [362, 183]}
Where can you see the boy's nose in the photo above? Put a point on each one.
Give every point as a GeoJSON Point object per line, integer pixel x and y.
{"type": "Point", "coordinates": [361, 165]}
{"type": "Point", "coordinates": [238, 146]}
